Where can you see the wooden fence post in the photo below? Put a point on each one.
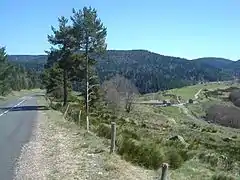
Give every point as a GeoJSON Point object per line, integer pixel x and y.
{"type": "Point", "coordinates": [164, 175]}
{"type": "Point", "coordinates": [113, 137]}
{"type": "Point", "coordinates": [65, 113]}
{"type": "Point", "coordinates": [48, 100]}
{"type": "Point", "coordinates": [79, 117]}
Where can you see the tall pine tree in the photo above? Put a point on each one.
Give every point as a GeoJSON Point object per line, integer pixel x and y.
{"type": "Point", "coordinates": [90, 34]}
{"type": "Point", "coordinates": [63, 41]}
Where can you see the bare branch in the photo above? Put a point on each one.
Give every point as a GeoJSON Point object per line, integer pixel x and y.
{"type": "Point", "coordinates": [119, 89]}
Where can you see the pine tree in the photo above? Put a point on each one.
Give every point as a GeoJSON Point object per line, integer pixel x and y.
{"type": "Point", "coordinates": [90, 34]}
{"type": "Point", "coordinates": [5, 69]}
{"type": "Point", "coordinates": [13, 76]}
{"type": "Point", "coordinates": [64, 40]}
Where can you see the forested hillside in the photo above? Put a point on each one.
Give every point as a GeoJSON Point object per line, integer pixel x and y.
{"type": "Point", "coordinates": [33, 62]}
{"type": "Point", "coordinates": [150, 71]}
{"type": "Point", "coordinates": [14, 76]}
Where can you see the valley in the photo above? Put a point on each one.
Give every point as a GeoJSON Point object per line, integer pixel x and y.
{"type": "Point", "coordinates": [179, 134]}
{"type": "Point", "coordinates": [83, 111]}
{"type": "Point", "coordinates": [149, 71]}
{"type": "Point", "coordinates": [163, 113]}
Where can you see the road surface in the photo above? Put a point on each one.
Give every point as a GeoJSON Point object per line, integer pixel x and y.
{"type": "Point", "coordinates": [17, 118]}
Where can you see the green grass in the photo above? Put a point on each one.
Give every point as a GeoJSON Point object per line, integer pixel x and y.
{"type": "Point", "coordinates": [18, 94]}
{"type": "Point", "coordinates": [205, 137]}
{"type": "Point", "coordinates": [147, 129]}
{"type": "Point", "coordinates": [187, 92]}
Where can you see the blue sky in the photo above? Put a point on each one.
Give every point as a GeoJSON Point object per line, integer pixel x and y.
{"type": "Point", "coordinates": [186, 28]}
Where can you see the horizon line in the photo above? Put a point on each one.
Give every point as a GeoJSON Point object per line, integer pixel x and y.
{"type": "Point", "coordinates": [44, 54]}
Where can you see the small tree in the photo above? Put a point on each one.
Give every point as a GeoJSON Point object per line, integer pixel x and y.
{"type": "Point", "coordinates": [190, 101]}
{"type": "Point", "coordinates": [90, 34]}
{"type": "Point", "coordinates": [119, 89]}
{"type": "Point", "coordinates": [111, 95]}
{"type": "Point", "coordinates": [5, 72]}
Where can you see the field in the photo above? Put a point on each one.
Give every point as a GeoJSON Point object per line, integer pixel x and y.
{"type": "Point", "coordinates": [190, 125]}
{"type": "Point", "coordinates": [185, 93]}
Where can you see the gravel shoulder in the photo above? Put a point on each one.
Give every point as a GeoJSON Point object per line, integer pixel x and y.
{"type": "Point", "coordinates": [59, 149]}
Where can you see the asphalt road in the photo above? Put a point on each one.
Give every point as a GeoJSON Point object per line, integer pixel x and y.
{"type": "Point", "coordinates": [17, 118]}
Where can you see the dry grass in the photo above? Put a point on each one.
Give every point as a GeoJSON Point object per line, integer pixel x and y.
{"type": "Point", "coordinates": [18, 94]}
{"type": "Point", "coordinates": [61, 150]}
{"type": "Point", "coordinates": [67, 152]}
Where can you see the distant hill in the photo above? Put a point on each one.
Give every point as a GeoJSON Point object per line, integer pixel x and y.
{"type": "Point", "coordinates": [150, 71]}
{"type": "Point", "coordinates": [34, 62]}
{"type": "Point", "coordinates": [215, 62]}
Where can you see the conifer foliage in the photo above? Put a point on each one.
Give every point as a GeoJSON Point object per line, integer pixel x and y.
{"type": "Point", "coordinates": [15, 77]}
{"type": "Point", "coordinates": [70, 59]}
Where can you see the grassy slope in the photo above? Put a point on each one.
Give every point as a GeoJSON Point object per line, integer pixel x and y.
{"type": "Point", "coordinates": [85, 156]}
{"type": "Point", "coordinates": [156, 124]}
{"type": "Point", "coordinates": [189, 130]}
{"type": "Point", "coordinates": [186, 92]}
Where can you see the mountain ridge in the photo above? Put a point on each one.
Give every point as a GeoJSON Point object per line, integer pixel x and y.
{"type": "Point", "coordinates": [151, 71]}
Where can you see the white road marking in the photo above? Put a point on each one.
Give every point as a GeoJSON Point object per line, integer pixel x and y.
{"type": "Point", "coordinates": [5, 112]}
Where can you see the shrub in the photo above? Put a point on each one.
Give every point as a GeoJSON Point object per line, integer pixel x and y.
{"type": "Point", "coordinates": [143, 153]}
{"type": "Point", "coordinates": [56, 93]}
{"type": "Point", "coordinates": [224, 115]}
{"type": "Point", "coordinates": [104, 130]}
{"type": "Point", "coordinates": [230, 89]}
{"type": "Point", "coordinates": [237, 102]}
{"type": "Point", "coordinates": [234, 95]}
{"type": "Point", "coordinates": [57, 106]}
{"type": "Point", "coordinates": [190, 101]}
{"type": "Point", "coordinates": [72, 98]}
{"type": "Point", "coordinates": [164, 102]}
{"type": "Point", "coordinates": [130, 133]}
{"type": "Point", "coordinates": [73, 114]}
{"type": "Point", "coordinates": [174, 159]}
{"type": "Point", "coordinates": [222, 177]}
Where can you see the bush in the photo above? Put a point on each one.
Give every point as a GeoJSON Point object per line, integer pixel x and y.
{"type": "Point", "coordinates": [190, 101]}
{"type": "Point", "coordinates": [130, 133]}
{"type": "Point", "coordinates": [104, 130]}
{"type": "Point", "coordinates": [72, 98]}
{"type": "Point", "coordinates": [222, 177]}
{"type": "Point", "coordinates": [234, 95]}
{"type": "Point", "coordinates": [57, 93]}
{"type": "Point", "coordinates": [230, 89]}
{"type": "Point", "coordinates": [224, 115]}
{"type": "Point", "coordinates": [73, 114]}
{"type": "Point", "coordinates": [57, 106]}
{"type": "Point", "coordinates": [174, 159]}
{"type": "Point", "coordinates": [147, 154]}
{"type": "Point", "coordinates": [237, 102]}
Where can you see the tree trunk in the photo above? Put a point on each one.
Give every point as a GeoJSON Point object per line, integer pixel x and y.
{"type": "Point", "coordinates": [65, 93]}
{"type": "Point", "coordinates": [87, 84]}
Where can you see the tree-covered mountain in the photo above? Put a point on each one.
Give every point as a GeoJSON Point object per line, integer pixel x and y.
{"type": "Point", "coordinates": [33, 62]}
{"type": "Point", "coordinates": [214, 61]}
{"type": "Point", "coordinates": [14, 76]}
{"type": "Point", "coordinates": [150, 71]}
